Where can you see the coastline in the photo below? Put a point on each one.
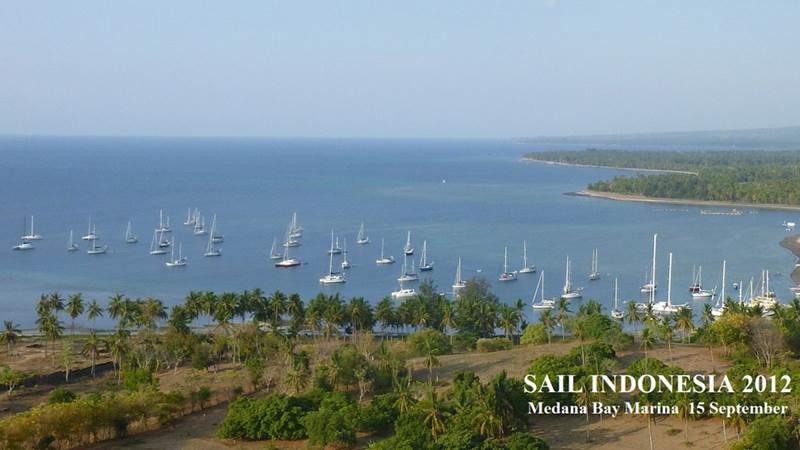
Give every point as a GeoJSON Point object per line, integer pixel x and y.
{"type": "Point", "coordinates": [677, 201]}
{"type": "Point", "coordinates": [595, 166]}
{"type": "Point", "coordinates": [792, 243]}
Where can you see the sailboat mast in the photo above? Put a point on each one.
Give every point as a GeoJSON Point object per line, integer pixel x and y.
{"type": "Point", "coordinates": [525, 254]}
{"type": "Point", "coordinates": [724, 263]}
{"type": "Point", "coordinates": [653, 270]}
{"type": "Point", "coordinates": [505, 260]}
{"type": "Point", "coordinates": [669, 282]}
{"type": "Point", "coordinates": [615, 293]}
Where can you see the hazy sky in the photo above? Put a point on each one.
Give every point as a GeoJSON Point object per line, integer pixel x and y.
{"type": "Point", "coordinates": [397, 69]}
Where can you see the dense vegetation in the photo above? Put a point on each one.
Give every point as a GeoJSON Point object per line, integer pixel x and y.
{"type": "Point", "coordinates": [760, 177]}
{"type": "Point", "coordinates": [326, 378]}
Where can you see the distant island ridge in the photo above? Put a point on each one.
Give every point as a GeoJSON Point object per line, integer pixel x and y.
{"type": "Point", "coordinates": [747, 178]}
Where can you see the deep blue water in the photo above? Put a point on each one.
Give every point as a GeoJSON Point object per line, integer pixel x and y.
{"type": "Point", "coordinates": [490, 199]}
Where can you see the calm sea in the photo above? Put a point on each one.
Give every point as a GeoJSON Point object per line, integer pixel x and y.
{"type": "Point", "coordinates": [468, 199]}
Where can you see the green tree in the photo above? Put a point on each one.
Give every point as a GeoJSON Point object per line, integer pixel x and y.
{"type": "Point", "coordinates": [10, 335]}
{"type": "Point", "coordinates": [93, 311]}
{"type": "Point", "coordinates": [74, 308]}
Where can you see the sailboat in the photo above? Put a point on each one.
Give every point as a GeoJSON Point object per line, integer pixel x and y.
{"type": "Point", "coordinates": [459, 282]}
{"type": "Point", "coordinates": [332, 277]}
{"type": "Point", "coordinates": [92, 233]}
{"type": "Point", "coordinates": [163, 226]}
{"type": "Point", "coordinates": [719, 307]}
{"type": "Point", "coordinates": [650, 287]}
{"type": "Point", "coordinates": [295, 230]}
{"type": "Point", "coordinates": [71, 245]}
{"type": "Point", "coordinates": [384, 259]}
{"type": "Point", "coordinates": [130, 238]}
{"type": "Point", "coordinates": [345, 262]}
{"type": "Point", "coordinates": [362, 237]}
{"type": "Point", "coordinates": [667, 307]}
{"type": "Point", "coordinates": [95, 249]}
{"type": "Point", "coordinates": [506, 275]}
{"type": "Point", "coordinates": [544, 303]}
{"type": "Point", "coordinates": [594, 275]}
{"type": "Point", "coordinates": [287, 261]}
{"type": "Point", "coordinates": [403, 293]}
{"type": "Point", "coordinates": [163, 241]}
{"type": "Point", "coordinates": [190, 218]}
{"type": "Point", "coordinates": [272, 254]}
{"type": "Point", "coordinates": [31, 235]}
{"type": "Point", "coordinates": [424, 264]}
{"type": "Point", "coordinates": [568, 292]}
{"type": "Point", "coordinates": [695, 286]}
{"type": "Point", "coordinates": [199, 228]}
{"type": "Point", "coordinates": [210, 250]}
{"type": "Point", "coordinates": [24, 244]}
{"type": "Point", "coordinates": [292, 236]}
{"type": "Point", "coordinates": [215, 236]}
{"type": "Point", "coordinates": [525, 267]}
{"type": "Point", "coordinates": [767, 299]}
{"type": "Point", "coordinates": [616, 314]}
{"type": "Point", "coordinates": [408, 275]}
{"type": "Point", "coordinates": [408, 249]}
{"type": "Point", "coordinates": [155, 247]}
{"type": "Point", "coordinates": [700, 293]}
{"type": "Point", "coordinates": [335, 249]}
{"type": "Point", "coordinates": [181, 261]}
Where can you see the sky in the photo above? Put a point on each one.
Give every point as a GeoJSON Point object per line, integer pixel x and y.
{"type": "Point", "coordinates": [450, 69]}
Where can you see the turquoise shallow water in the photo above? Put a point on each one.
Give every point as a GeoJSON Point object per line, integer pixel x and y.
{"type": "Point", "coordinates": [490, 200]}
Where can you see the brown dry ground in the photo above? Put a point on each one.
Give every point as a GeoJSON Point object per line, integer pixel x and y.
{"type": "Point", "coordinates": [196, 432]}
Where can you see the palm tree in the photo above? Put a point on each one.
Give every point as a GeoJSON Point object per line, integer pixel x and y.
{"type": "Point", "coordinates": [632, 314]}
{"type": "Point", "coordinates": [194, 304]}
{"type": "Point", "coordinates": [10, 335]}
{"type": "Point", "coordinates": [546, 318]}
{"type": "Point", "coordinates": [434, 412]}
{"type": "Point", "coordinates": [666, 332]}
{"type": "Point", "coordinates": [277, 304]}
{"type": "Point", "coordinates": [562, 314]}
{"type": "Point", "coordinates": [448, 319]}
{"type": "Point", "coordinates": [509, 320]}
{"type": "Point", "coordinates": [360, 314]}
{"type": "Point", "coordinates": [385, 313]}
{"type": "Point", "coordinates": [431, 360]}
{"type": "Point", "coordinates": [91, 348]}
{"type": "Point", "coordinates": [647, 343]}
{"type": "Point", "coordinates": [684, 320]}
{"type": "Point", "coordinates": [297, 311]}
{"type": "Point", "coordinates": [74, 309]}
{"type": "Point", "coordinates": [51, 329]}
{"type": "Point", "coordinates": [405, 398]}
{"type": "Point", "coordinates": [649, 316]}
{"type": "Point", "coordinates": [116, 309]}
{"type": "Point", "coordinates": [56, 302]}
{"type": "Point", "coordinates": [707, 316]}
{"type": "Point", "coordinates": [118, 346]}
{"type": "Point", "coordinates": [151, 310]}
{"type": "Point", "coordinates": [93, 311]}
{"type": "Point", "coordinates": [684, 410]}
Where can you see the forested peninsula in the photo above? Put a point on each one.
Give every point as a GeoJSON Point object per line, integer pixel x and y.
{"type": "Point", "coordinates": [746, 177]}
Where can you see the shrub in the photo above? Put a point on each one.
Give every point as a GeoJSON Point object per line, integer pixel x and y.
{"type": "Point", "coordinates": [380, 414]}
{"type": "Point", "coordinates": [61, 395]}
{"type": "Point", "coordinates": [334, 424]}
{"type": "Point", "coordinates": [534, 334]}
{"type": "Point", "coordinates": [134, 379]}
{"type": "Point", "coordinates": [201, 356]}
{"type": "Point", "coordinates": [427, 341]}
{"type": "Point", "coordinates": [767, 433]}
{"type": "Point", "coordinates": [525, 441]}
{"type": "Point", "coordinates": [274, 417]}
{"type": "Point", "coordinates": [464, 341]}
{"type": "Point", "coordinates": [486, 345]}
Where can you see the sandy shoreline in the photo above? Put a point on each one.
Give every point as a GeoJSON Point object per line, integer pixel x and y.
{"type": "Point", "coordinates": [634, 169]}
{"type": "Point", "coordinates": [792, 243]}
{"type": "Point", "coordinates": [675, 201]}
